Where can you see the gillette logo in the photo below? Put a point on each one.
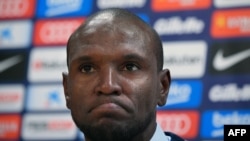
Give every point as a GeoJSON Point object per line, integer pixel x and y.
{"type": "Point", "coordinates": [229, 93]}
{"type": "Point", "coordinates": [177, 26]}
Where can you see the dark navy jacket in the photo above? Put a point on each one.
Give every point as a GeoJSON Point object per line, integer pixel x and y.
{"type": "Point", "coordinates": [174, 137]}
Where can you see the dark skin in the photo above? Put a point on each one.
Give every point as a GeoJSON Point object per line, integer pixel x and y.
{"type": "Point", "coordinates": [114, 84]}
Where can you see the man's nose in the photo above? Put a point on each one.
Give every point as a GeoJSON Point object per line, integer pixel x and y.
{"type": "Point", "coordinates": [108, 83]}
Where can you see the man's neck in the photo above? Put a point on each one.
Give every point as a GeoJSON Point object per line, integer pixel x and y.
{"type": "Point", "coordinates": [147, 134]}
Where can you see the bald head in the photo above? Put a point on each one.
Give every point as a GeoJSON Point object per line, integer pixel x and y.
{"type": "Point", "coordinates": [115, 79]}
{"type": "Point", "coordinates": [127, 24]}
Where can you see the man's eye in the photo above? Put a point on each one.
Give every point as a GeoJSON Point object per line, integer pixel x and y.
{"type": "Point", "coordinates": [131, 67]}
{"type": "Point", "coordinates": [86, 68]}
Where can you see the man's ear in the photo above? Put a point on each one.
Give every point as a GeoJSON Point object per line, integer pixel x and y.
{"type": "Point", "coordinates": [165, 80]}
{"type": "Point", "coordinates": [65, 87]}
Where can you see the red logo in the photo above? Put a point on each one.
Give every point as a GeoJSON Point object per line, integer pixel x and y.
{"type": "Point", "coordinates": [17, 8]}
{"type": "Point", "coordinates": [182, 123]}
{"type": "Point", "coordinates": [231, 23]}
{"type": "Point", "coordinates": [60, 125]}
{"type": "Point", "coordinates": [9, 97]}
{"type": "Point", "coordinates": [9, 127]}
{"type": "Point", "coordinates": [176, 5]}
{"type": "Point", "coordinates": [55, 32]}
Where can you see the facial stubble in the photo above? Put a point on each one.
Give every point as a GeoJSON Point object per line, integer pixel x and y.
{"type": "Point", "coordinates": [116, 131]}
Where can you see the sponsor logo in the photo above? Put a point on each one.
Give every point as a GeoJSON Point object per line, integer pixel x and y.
{"type": "Point", "coordinates": [229, 93]}
{"type": "Point", "coordinates": [17, 8]}
{"type": "Point", "coordinates": [177, 5]}
{"type": "Point", "coordinates": [46, 98]}
{"type": "Point", "coordinates": [10, 62]}
{"type": "Point", "coordinates": [184, 94]}
{"type": "Point", "coordinates": [10, 36]}
{"type": "Point", "coordinates": [54, 32]}
{"type": "Point", "coordinates": [49, 68]}
{"type": "Point", "coordinates": [144, 17]}
{"type": "Point", "coordinates": [186, 55]}
{"type": "Point", "coordinates": [48, 127]}
{"type": "Point", "coordinates": [176, 26]}
{"type": "Point", "coordinates": [222, 63]}
{"type": "Point", "coordinates": [9, 127]}
{"type": "Point", "coordinates": [102, 4]}
{"type": "Point", "coordinates": [230, 57]}
{"type": "Point", "coordinates": [230, 23]}
{"type": "Point", "coordinates": [231, 3]}
{"type": "Point", "coordinates": [63, 8]}
{"type": "Point", "coordinates": [11, 98]}
{"type": "Point", "coordinates": [214, 121]}
{"type": "Point", "coordinates": [183, 123]}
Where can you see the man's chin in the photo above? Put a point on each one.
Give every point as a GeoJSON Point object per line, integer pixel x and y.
{"type": "Point", "coordinates": [112, 128]}
{"type": "Point", "coordinates": [108, 130]}
{"type": "Point", "coordinates": [109, 121]}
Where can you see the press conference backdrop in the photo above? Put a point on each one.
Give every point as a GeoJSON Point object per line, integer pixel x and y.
{"type": "Point", "coordinates": [206, 47]}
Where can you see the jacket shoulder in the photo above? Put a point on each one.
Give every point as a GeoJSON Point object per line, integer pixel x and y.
{"type": "Point", "coordinates": [174, 137]}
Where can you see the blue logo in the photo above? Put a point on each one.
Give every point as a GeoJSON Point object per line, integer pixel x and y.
{"type": "Point", "coordinates": [54, 98]}
{"type": "Point", "coordinates": [6, 34]}
{"type": "Point", "coordinates": [212, 124]}
{"type": "Point", "coordinates": [144, 17]}
{"type": "Point", "coordinates": [45, 98]}
{"type": "Point", "coordinates": [184, 94]}
{"type": "Point", "coordinates": [10, 36]}
{"type": "Point", "coordinates": [63, 8]}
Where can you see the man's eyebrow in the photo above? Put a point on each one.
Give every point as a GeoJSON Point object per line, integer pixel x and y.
{"type": "Point", "coordinates": [130, 57]}
{"type": "Point", "coordinates": [82, 58]}
{"type": "Point", "coordinates": [133, 57]}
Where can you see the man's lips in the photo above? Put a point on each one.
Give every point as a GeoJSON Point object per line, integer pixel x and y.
{"type": "Point", "coordinates": [109, 111]}
{"type": "Point", "coordinates": [110, 108]}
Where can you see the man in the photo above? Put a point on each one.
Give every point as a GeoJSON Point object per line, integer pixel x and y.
{"type": "Point", "coordinates": [115, 79]}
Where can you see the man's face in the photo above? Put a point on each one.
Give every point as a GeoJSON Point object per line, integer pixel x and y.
{"type": "Point", "coordinates": [113, 82]}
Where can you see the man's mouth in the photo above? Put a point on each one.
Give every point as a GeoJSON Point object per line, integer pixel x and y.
{"type": "Point", "coordinates": [109, 110]}
{"type": "Point", "coordinates": [108, 107]}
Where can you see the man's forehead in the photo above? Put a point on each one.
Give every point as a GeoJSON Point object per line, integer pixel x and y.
{"type": "Point", "coordinates": [107, 21]}
{"type": "Point", "coordinates": [119, 30]}
{"type": "Point", "coordinates": [105, 17]}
